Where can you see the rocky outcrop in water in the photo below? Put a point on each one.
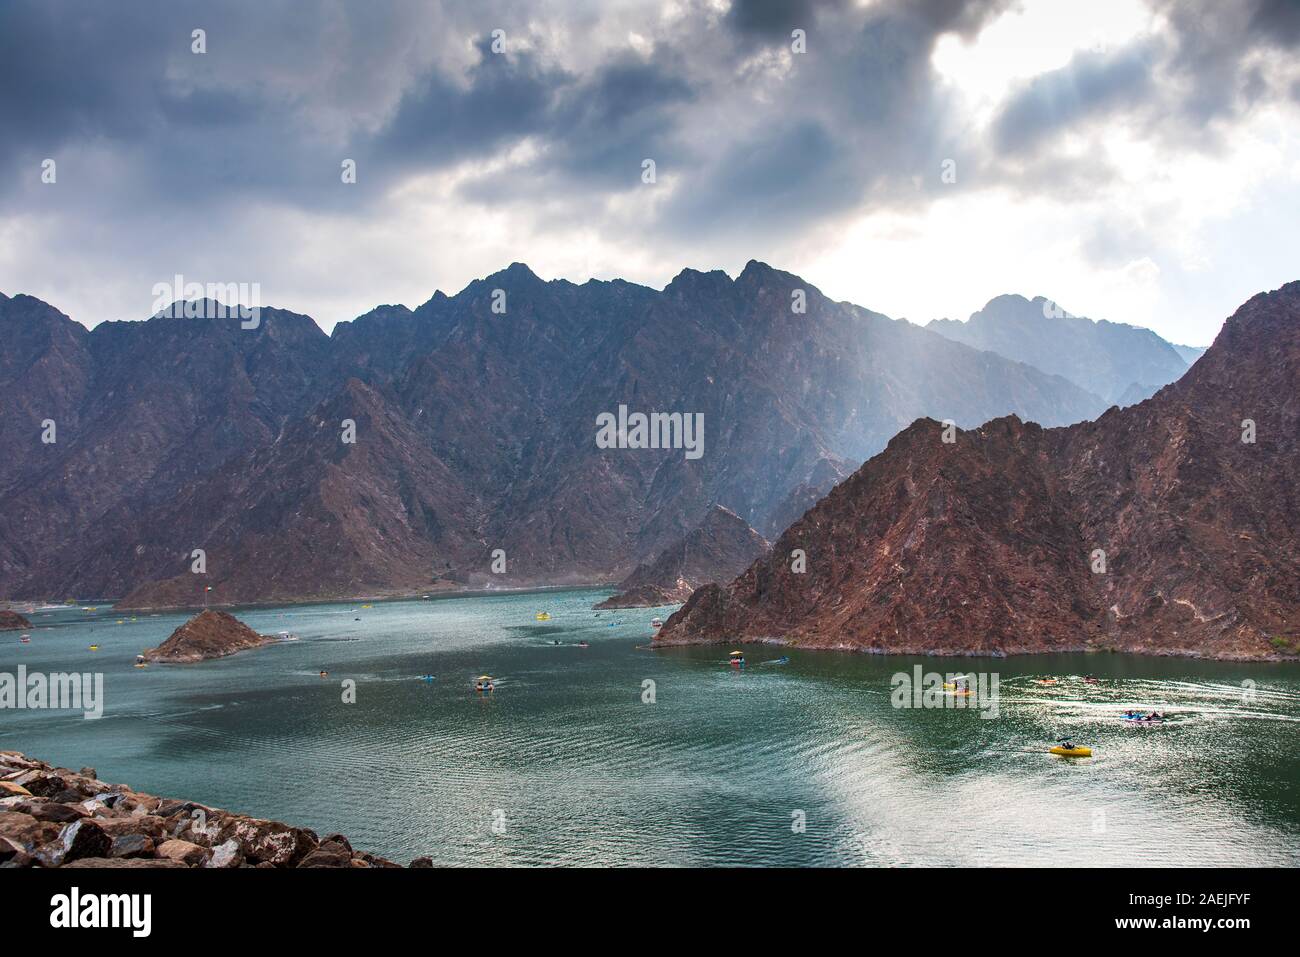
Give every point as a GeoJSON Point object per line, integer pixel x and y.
{"type": "Point", "coordinates": [12, 621]}
{"type": "Point", "coordinates": [717, 550]}
{"type": "Point", "coordinates": [55, 817]}
{"type": "Point", "coordinates": [1169, 527]}
{"type": "Point", "coordinates": [209, 634]}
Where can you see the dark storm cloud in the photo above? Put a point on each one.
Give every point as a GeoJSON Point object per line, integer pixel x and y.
{"type": "Point", "coordinates": [860, 111]}
{"type": "Point", "coordinates": [1203, 69]}
{"type": "Point", "coordinates": [264, 113]}
{"type": "Point", "coordinates": [503, 98]}
{"type": "Point", "coordinates": [750, 138]}
{"type": "Point", "coordinates": [1091, 84]}
{"type": "Point", "coordinates": [861, 117]}
{"type": "Point", "coordinates": [287, 91]}
{"type": "Point", "coordinates": [56, 82]}
{"type": "Point", "coordinates": [785, 177]}
{"type": "Point", "coordinates": [963, 17]}
{"type": "Point", "coordinates": [626, 112]}
{"type": "Point", "coordinates": [598, 129]}
{"type": "Point", "coordinates": [773, 19]}
{"type": "Point", "coordinates": [1277, 22]}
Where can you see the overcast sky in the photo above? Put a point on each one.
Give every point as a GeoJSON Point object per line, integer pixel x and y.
{"type": "Point", "coordinates": [1135, 160]}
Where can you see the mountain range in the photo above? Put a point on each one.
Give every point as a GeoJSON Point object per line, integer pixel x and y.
{"type": "Point", "coordinates": [472, 459]}
{"type": "Point", "coordinates": [1168, 527]}
{"type": "Point", "coordinates": [1120, 364]}
{"type": "Point", "coordinates": [717, 550]}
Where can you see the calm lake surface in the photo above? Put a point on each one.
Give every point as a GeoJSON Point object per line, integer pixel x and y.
{"type": "Point", "coordinates": [714, 772]}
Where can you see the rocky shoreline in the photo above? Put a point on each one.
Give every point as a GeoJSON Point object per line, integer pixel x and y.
{"type": "Point", "coordinates": [931, 651]}
{"type": "Point", "coordinates": [431, 593]}
{"type": "Point", "coordinates": [55, 817]}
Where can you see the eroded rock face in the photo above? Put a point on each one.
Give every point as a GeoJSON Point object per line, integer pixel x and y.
{"type": "Point", "coordinates": [1158, 528]}
{"type": "Point", "coordinates": [113, 826]}
{"type": "Point", "coordinates": [209, 634]}
{"type": "Point", "coordinates": [717, 550]}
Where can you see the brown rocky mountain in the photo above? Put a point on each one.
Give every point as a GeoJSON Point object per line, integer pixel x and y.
{"type": "Point", "coordinates": [142, 409]}
{"type": "Point", "coordinates": [993, 543]}
{"type": "Point", "coordinates": [805, 495]}
{"type": "Point", "coordinates": [716, 550]}
{"type": "Point", "coordinates": [209, 634]}
{"type": "Point", "coordinates": [1120, 363]}
{"type": "Point", "coordinates": [475, 431]}
{"type": "Point", "coordinates": [45, 370]}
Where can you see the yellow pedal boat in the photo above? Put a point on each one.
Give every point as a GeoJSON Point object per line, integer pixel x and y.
{"type": "Point", "coordinates": [1072, 752]}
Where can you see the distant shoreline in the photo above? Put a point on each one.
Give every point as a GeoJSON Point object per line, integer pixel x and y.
{"type": "Point", "coordinates": [933, 652]}
{"type": "Point", "coordinates": [434, 594]}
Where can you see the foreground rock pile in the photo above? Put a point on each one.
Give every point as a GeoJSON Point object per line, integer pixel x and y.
{"type": "Point", "coordinates": [54, 817]}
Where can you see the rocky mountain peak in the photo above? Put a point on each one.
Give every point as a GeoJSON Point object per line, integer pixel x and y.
{"type": "Point", "coordinates": [717, 549]}
{"type": "Point", "coordinates": [1128, 533]}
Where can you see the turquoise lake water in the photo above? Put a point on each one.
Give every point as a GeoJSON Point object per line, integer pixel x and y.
{"type": "Point", "coordinates": [566, 764]}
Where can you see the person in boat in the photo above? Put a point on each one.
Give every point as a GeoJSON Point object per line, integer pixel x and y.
{"type": "Point", "coordinates": [1067, 744]}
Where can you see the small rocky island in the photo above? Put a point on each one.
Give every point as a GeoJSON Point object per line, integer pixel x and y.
{"type": "Point", "coordinates": [717, 550]}
{"type": "Point", "coordinates": [54, 817]}
{"type": "Point", "coordinates": [209, 634]}
{"type": "Point", "coordinates": [12, 621]}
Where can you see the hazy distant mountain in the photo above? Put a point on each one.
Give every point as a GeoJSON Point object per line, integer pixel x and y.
{"type": "Point", "coordinates": [717, 550]}
{"type": "Point", "coordinates": [805, 495]}
{"type": "Point", "coordinates": [475, 431]}
{"type": "Point", "coordinates": [1189, 353]}
{"type": "Point", "coordinates": [1135, 393]}
{"type": "Point", "coordinates": [1156, 528]}
{"type": "Point", "coordinates": [1109, 359]}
